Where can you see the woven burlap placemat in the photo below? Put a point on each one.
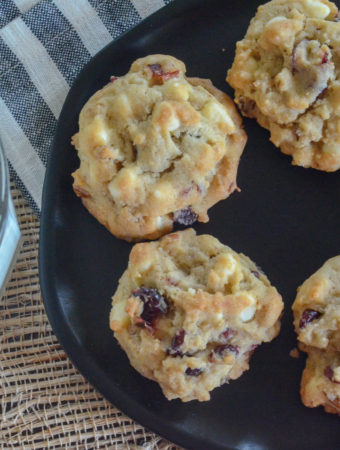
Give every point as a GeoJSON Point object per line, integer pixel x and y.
{"type": "Point", "coordinates": [44, 401]}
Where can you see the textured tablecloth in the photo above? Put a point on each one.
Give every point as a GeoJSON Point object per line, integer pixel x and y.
{"type": "Point", "coordinates": [43, 46]}
{"type": "Point", "coordinates": [44, 401]}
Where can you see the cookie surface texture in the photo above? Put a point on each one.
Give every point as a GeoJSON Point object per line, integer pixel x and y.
{"type": "Point", "coordinates": [320, 383]}
{"type": "Point", "coordinates": [317, 323]}
{"type": "Point", "coordinates": [317, 308]}
{"type": "Point", "coordinates": [156, 147]}
{"type": "Point", "coordinates": [286, 74]}
{"type": "Point", "coordinates": [189, 312]}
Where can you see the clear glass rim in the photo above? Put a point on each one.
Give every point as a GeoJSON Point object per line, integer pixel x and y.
{"type": "Point", "coordinates": [4, 189]}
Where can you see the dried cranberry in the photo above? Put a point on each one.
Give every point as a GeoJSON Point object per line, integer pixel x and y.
{"type": "Point", "coordinates": [193, 372]}
{"type": "Point", "coordinates": [167, 75]}
{"type": "Point", "coordinates": [112, 79]}
{"type": "Point", "coordinates": [172, 281]}
{"type": "Point", "coordinates": [155, 305]}
{"type": "Point", "coordinates": [176, 343]}
{"type": "Point", "coordinates": [221, 349]}
{"type": "Point", "coordinates": [185, 216]}
{"type": "Point", "coordinates": [308, 316]}
{"type": "Point", "coordinates": [325, 58]}
{"type": "Point", "coordinates": [253, 347]}
{"type": "Point", "coordinates": [231, 186]}
{"type": "Point", "coordinates": [156, 70]}
{"type": "Point", "coordinates": [255, 273]}
{"type": "Point", "coordinates": [228, 334]}
{"type": "Point", "coordinates": [186, 191]}
{"type": "Point", "coordinates": [80, 192]}
{"type": "Point", "coordinates": [329, 373]}
{"type": "Point", "coordinates": [247, 106]}
{"type": "Point", "coordinates": [159, 76]}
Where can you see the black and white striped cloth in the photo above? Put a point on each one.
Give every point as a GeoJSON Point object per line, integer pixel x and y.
{"type": "Point", "coordinates": [43, 46]}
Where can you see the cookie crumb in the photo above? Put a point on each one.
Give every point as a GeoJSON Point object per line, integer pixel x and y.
{"type": "Point", "coordinates": [294, 353]}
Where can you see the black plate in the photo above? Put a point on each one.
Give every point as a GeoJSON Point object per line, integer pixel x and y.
{"type": "Point", "coordinates": [286, 219]}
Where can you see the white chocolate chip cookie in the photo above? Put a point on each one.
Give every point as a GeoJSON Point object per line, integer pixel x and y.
{"type": "Point", "coordinates": [189, 312]}
{"type": "Point", "coordinates": [320, 383]}
{"type": "Point", "coordinates": [317, 323]}
{"type": "Point", "coordinates": [156, 147]}
{"type": "Point", "coordinates": [317, 308]}
{"type": "Point", "coordinates": [286, 74]}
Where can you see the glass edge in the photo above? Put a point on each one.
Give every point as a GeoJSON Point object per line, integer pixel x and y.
{"type": "Point", "coordinates": [4, 190]}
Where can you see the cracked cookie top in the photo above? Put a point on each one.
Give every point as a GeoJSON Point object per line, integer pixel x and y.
{"type": "Point", "coordinates": [286, 75]}
{"type": "Point", "coordinates": [156, 147]}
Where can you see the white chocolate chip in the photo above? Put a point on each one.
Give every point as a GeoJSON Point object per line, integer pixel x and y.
{"type": "Point", "coordinates": [157, 193]}
{"type": "Point", "coordinates": [317, 9]}
{"type": "Point", "coordinates": [104, 136]}
{"type": "Point", "coordinates": [160, 222]}
{"type": "Point", "coordinates": [275, 19]}
{"type": "Point", "coordinates": [219, 275]}
{"type": "Point", "coordinates": [332, 397]}
{"type": "Point", "coordinates": [173, 123]}
{"type": "Point", "coordinates": [119, 318]}
{"type": "Point", "coordinates": [177, 90]}
{"type": "Point", "coordinates": [332, 148]}
{"type": "Point", "coordinates": [114, 190]}
{"type": "Point", "coordinates": [216, 112]}
{"type": "Point", "coordinates": [336, 374]}
{"type": "Point", "coordinates": [229, 268]}
{"type": "Point", "coordinates": [117, 187]}
{"type": "Point", "coordinates": [192, 291]}
{"type": "Point", "coordinates": [247, 313]}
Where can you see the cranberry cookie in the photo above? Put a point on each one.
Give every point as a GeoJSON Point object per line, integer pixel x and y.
{"type": "Point", "coordinates": [286, 74]}
{"type": "Point", "coordinates": [189, 312]}
{"type": "Point", "coordinates": [317, 323]}
{"type": "Point", "coordinates": [317, 308]}
{"type": "Point", "coordinates": [156, 147]}
{"type": "Point", "coordinates": [320, 383]}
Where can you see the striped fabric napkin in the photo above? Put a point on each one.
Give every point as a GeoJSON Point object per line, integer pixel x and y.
{"type": "Point", "coordinates": [43, 46]}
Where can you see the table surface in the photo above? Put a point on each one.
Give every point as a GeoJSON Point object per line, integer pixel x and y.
{"type": "Point", "coordinates": [45, 401]}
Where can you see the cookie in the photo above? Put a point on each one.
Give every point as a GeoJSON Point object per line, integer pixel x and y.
{"type": "Point", "coordinates": [286, 74]}
{"type": "Point", "coordinates": [320, 384]}
{"type": "Point", "coordinates": [156, 147]}
{"type": "Point", "coordinates": [317, 308]}
{"type": "Point", "coordinates": [189, 312]}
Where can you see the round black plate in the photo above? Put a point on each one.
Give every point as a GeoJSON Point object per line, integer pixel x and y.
{"type": "Point", "coordinates": [286, 218]}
